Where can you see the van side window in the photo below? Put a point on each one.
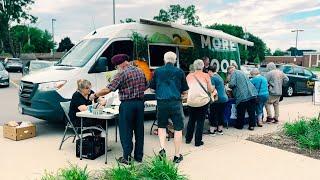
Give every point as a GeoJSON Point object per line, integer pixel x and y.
{"type": "Point", "coordinates": [118, 47]}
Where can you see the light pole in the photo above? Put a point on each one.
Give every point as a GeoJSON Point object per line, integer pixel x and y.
{"type": "Point", "coordinates": [114, 12]}
{"type": "Point", "coordinates": [296, 50]}
{"type": "Point", "coordinates": [52, 21]}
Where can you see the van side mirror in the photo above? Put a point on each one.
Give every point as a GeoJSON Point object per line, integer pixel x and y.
{"type": "Point", "coordinates": [99, 66]}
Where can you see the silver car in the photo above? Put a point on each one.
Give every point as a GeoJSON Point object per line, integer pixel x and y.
{"type": "Point", "coordinates": [4, 76]}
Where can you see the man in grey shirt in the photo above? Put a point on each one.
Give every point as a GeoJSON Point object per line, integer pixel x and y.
{"type": "Point", "coordinates": [276, 79]}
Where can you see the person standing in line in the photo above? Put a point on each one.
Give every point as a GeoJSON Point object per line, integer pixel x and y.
{"type": "Point", "coordinates": [245, 94]}
{"type": "Point", "coordinates": [198, 101]}
{"type": "Point", "coordinates": [276, 79]}
{"type": "Point", "coordinates": [169, 84]}
{"type": "Point", "coordinates": [261, 84]}
{"type": "Point", "coordinates": [206, 62]}
{"type": "Point", "coordinates": [216, 117]}
{"type": "Point", "coordinates": [131, 83]}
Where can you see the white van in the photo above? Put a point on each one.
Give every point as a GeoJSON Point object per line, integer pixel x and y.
{"type": "Point", "coordinates": [41, 92]}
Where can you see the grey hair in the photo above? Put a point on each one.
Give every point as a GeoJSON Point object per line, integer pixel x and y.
{"type": "Point", "coordinates": [170, 57]}
{"type": "Point", "coordinates": [198, 64]}
{"type": "Point", "coordinates": [271, 66]}
{"type": "Point", "coordinates": [83, 83]}
{"type": "Point", "coordinates": [255, 71]}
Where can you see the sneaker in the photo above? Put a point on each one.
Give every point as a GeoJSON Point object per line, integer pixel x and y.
{"type": "Point", "coordinates": [220, 132]}
{"type": "Point", "coordinates": [275, 120]}
{"type": "Point", "coordinates": [122, 160]}
{"type": "Point", "coordinates": [269, 120]}
{"type": "Point", "coordinates": [162, 153]}
{"type": "Point", "coordinates": [188, 142]}
{"type": "Point", "coordinates": [250, 128]}
{"type": "Point", "coordinates": [211, 133]}
{"type": "Point", "coordinates": [177, 159]}
{"type": "Point", "coordinates": [199, 144]}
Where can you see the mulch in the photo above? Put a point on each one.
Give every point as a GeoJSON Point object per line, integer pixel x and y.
{"type": "Point", "coordinates": [281, 141]}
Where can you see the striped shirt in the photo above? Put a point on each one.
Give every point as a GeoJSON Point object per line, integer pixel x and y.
{"type": "Point", "coordinates": [131, 83]}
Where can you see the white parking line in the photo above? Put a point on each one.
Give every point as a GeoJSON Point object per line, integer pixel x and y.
{"type": "Point", "coordinates": [14, 84]}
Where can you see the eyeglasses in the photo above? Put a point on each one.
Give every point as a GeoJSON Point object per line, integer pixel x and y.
{"type": "Point", "coordinates": [87, 88]}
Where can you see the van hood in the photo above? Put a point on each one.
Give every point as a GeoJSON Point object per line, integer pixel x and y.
{"type": "Point", "coordinates": [54, 73]}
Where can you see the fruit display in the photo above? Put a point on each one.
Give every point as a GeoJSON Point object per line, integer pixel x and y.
{"type": "Point", "coordinates": [143, 65]}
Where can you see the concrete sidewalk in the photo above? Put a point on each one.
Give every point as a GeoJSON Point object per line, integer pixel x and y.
{"type": "Point", "coordinates": [222, 157]}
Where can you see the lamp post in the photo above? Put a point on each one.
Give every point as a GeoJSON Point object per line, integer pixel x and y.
{"type": "Point", "coordinates": [52, 21]}
{"type": "Point", "coordinates": [296, 50]}
{"type": "Point", "coordinates": [114, 12]}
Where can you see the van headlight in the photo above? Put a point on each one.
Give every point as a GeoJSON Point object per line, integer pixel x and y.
{"type": "Point", "coordinates": [50, 86]}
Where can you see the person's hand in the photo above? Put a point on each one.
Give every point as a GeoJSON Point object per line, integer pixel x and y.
{"type": "Point", "coordinates": [92, 97]}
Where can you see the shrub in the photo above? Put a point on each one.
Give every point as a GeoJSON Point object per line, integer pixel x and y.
{"type": "Point", "coordinates": [71, 173]}
{"type": "Point", "coordinates": [122, 172]}
{"type": "Point", "coordinates": [155, 168]}
{"type": "Point", "coordinates": [305, 131]}
{"type": "Point", "coordinates": [161, 168]}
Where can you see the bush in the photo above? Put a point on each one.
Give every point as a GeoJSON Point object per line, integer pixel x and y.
{"type": "Point", "coordinates": [152, 169]}
{"type": "Point", "coordinates": [160, 168]}
{"type": "Point", "coordinates": [122, 172]}
{"type": "Point", "coordinates": [71, 173]}
{"type": "Point", "coordinates": [305, 131]}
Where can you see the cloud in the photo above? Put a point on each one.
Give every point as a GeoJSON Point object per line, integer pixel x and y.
{"type": "Point", "coordinates": [265, 19]}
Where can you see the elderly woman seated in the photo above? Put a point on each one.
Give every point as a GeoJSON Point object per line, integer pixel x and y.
{"type": "Point", "coordinates": [80, 102]}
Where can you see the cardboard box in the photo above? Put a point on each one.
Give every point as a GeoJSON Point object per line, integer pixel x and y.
{"type": "Point", "coordinates": [19, 133]}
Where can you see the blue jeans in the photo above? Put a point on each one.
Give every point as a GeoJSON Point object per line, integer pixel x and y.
{"type": "Point", "coordinates": [260, 105]}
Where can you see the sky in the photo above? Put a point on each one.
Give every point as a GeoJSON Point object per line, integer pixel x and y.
{"type": "Point", "coordinates": [271, 20]}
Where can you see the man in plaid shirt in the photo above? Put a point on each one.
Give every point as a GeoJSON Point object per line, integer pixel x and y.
{"type": "Point", "coordinates": [131, 83]}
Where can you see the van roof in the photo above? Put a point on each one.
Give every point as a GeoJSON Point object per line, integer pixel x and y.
{"type": "Point", "coordinates": [113, 30]}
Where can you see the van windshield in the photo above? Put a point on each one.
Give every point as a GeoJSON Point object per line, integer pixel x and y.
{"type": "Point", "coordinates": [82, 52]}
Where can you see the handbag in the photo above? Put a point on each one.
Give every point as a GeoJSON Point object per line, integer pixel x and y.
{"type": "Point", "coordinates": [213, 96]}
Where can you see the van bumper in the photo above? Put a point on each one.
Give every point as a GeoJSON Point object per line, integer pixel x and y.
{"type": "Point", "coordinates": [44, 105]}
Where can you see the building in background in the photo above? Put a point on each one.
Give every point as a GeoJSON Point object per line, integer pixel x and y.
{"type": "Point", "coordinates": [309, 58]}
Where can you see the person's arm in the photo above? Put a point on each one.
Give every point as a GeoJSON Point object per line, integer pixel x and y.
{"type": "Point", "coordinates": [285, 79]}
{"type": "Point", "coordinates": [232, 83]}
{"type": "Point", "coordinates": [82, 108]}
{"type": "Point", "coordinates": [113, 86]}
{"type": "Point", "coordinates": [209, 84]}
{"type": "Point", "coordinates": [153, 82]}
{"type": "Point", "coordinates": [184, 84]}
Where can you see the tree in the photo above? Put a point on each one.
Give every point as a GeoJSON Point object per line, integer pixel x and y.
{"type": "Point", "coordinates": [256, 60]}
{"type": "Point", "coordinates": [128, 20]}
{"type": "Point", "coordinates": [30, 39]}
{"type": "Point", "coordinates": [13, 11]}
{"type": "Point", "coordinates": [177, 12]}
{"type": "Point", "coordinates": [258, 49]}
{"type": "Point", "coordinates": [278, 52]}
{"type": "Point", "coordinates": [268, 52]}
{"type": "Point", "coordinates": [249, 53]}
{"type": "Point", "coordinates": [65, 45]}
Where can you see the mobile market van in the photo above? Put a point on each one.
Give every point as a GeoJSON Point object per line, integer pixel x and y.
{"type": "Point", "coordinates": [40, 93]}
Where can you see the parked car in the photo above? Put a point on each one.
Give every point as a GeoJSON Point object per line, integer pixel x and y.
{"type": "Point", "coordinates": [13, 64]}
{"type": "Point", "coordinates": [247, 69]}
{"type": "Point", "coordinates": [36, 65]}
{"type": "Point", "coordinates": [301, 79]}
{"type": "Point", "coordinates": [4, 76]}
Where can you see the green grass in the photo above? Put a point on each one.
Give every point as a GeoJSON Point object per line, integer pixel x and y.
{"type": "Point", "coordinates": [317, 69]}
{"type": "Point", "coordinates": [154, 168]}
{"type": "Point", "coordinates": [306, 132]}
{"type": "Point", "coordinates": [159, 168]}
{"type": "Point", "coordinates": [73, 172]}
